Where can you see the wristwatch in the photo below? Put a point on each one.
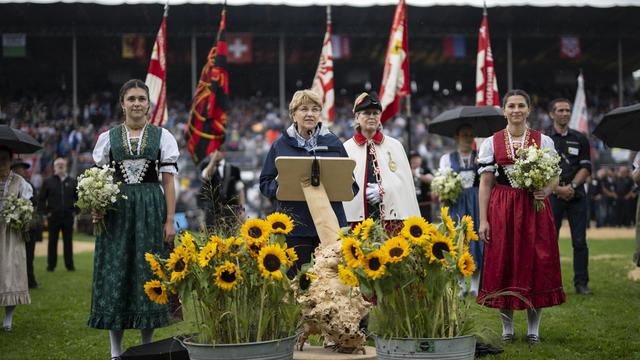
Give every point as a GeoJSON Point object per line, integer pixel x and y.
{"type": "Point", "coordinates": [574, 185]}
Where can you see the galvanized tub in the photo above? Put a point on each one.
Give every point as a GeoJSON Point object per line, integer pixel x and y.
{"type": "Point", "coordinates": [459, 348]}
{"type": "Point", "coordinates": [281, 349]}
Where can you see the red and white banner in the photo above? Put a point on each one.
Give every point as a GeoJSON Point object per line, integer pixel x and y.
{"type": "Point", "coordinates": [570, 47]}
{"type": "Point", "coordinates": [157, 75]}
{"type": "Point", "coordinates": [395, 79]}
{"type": "Point", "coordinates": [579, 120]}
{"type": "Point", "coordinates": [486, 81]}
{"type": "Point", "coordinates": [240, 48]}
{"type": "Point", "coordinates": [323, 80]}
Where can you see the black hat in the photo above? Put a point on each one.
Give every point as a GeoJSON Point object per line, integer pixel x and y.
{"type": "Point", "coordinates": [367, 101]}
{"type": "Point", "coordinates": [18, 163]}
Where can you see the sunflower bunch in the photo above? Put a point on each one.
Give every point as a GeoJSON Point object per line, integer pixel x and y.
{"type": "Point", "coordinates": [235, 286]}
{"type": "Point", "coordinates": [413, 275]}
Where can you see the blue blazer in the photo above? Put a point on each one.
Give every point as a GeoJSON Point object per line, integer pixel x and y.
{"type": "Point", "coordinates": [328, 145]}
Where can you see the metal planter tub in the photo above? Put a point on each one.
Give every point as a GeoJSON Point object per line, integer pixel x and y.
{"type": "Point", "coordinates": [459, 348]}
{"type": "Point", "coordinates": [281, 349]}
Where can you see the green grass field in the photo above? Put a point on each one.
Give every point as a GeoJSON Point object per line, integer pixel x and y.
{"type": "Point", "coordinates": [603, 326]}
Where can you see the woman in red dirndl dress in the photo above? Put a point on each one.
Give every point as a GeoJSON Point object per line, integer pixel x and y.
{"type": "Point", "coordinates": [521, 267]}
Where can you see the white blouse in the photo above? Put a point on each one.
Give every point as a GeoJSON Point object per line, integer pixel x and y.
{"type": "Point", "coordinates": [169, 152]}
{"type": "Point", "coordinates": [485, 155]}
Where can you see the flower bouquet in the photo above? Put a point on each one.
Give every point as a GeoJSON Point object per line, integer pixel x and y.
{"type": "Point", "coordinates": [235, 288]}
{"type": "Point", "coordinates": [413, 276]}
{"type": "Point", "coordinates": [17, 213]}
{"type": "Point", "coordinates": [447, 184]}
{"type": "Point", "coordinates": [97, 192]}
{"type": "Point", "coordinates": [533, 169]}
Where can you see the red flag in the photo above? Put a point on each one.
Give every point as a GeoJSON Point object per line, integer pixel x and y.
{"type": "Point", "coordinates": [486, 82]}
{"type": "Point", "coordinates": [395, 78]}
{"type": "Point", "coordinates": [240, 48]}
{"type": "Point", "coordinates": [157, 75]}
{"type": "Point", "coordinates": [323, 80]}
{"type": "Point", "coordinates": [208, 116]}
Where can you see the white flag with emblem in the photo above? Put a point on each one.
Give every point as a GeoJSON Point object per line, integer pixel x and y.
{"type": "Point", "coordinates": [323, 80]}
{"type": "Point", "coordinates": [579, 119]}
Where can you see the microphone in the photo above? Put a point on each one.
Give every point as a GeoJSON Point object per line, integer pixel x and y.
{"type": "Point", "coordinates": [315, 166]}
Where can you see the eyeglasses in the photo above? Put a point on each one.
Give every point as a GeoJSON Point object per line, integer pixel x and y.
{"type": "Point", "coordinates": [314, 110]}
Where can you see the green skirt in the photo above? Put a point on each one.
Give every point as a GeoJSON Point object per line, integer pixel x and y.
{"type": "Point", "coordinates": [119, 268]}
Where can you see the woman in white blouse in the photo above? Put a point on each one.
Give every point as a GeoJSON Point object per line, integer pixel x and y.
{"type": "Point", "coordinates": [142, 222]}
{"type": "Point", "coordinates": [521, 268]}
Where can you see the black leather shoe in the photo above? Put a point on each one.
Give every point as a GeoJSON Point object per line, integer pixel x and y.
{"type": "Point", "coordinates": [533, 339]}
{"type": "Point", "coordinates": [583, 290]}
{"type": "Point", "coordinates": [508, 338]}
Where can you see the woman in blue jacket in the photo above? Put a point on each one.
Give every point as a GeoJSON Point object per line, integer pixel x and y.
{"type": "Point", "coordinates": [305, 137]}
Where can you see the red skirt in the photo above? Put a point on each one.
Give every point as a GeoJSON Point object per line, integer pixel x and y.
{"type": "Point", "coordinates": [522, 257]}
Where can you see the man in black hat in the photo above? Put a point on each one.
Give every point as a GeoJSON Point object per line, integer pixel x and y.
{"type": "Point", "coordinates": [35, 234]}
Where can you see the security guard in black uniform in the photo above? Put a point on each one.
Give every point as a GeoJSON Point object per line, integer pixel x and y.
{"type": "Point", "coordinates": [570, 197]}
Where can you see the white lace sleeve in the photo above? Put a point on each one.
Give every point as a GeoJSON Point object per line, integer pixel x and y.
{"type": "Point", "coordinates": [547, 143]}
{"type": "Point", "coordinates": [486, 162]}
{"type": "Point", "coordinates": [169, 153]}
{"type": "Point", "coordinates": [101, 151]}
{"type": "Point", "coordinates": [636, 164]}
{"type": "Point", "coordinates": [445, 162]}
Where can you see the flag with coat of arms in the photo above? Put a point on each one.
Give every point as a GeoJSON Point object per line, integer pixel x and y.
{"type": "Point", "coordinates": [156, 79]}
{"type": "Point", "coordinates": [395, 78]}
{"type": "Point", "coordinates": [486, 81]}
{"type": "Point", "coordinates": [323, 80]}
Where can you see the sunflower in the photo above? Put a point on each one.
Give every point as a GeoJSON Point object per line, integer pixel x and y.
{"type": "Point", "coordinates": [417, 230]}
{"type": "Point", "coordinates": [363, 229]}
{"type": "Point", "coordinates": [351, 251]}
{"type": "Point", "coordinates": [280, 223]}
{"type": "Point", "coordinates": [448, 222]}
{"type": "Point", "coordinates": [347, 276]}
{"type": "Point", "coordinates": [256, 230]}
{"type": "Point", "coordinates": [155, 266]}
{"type": "Point", "coordinates": [270, 259]}
{"type": "Point", "coordinates": [178, 263]}
{"type": "Point", "coordinates": [189, 245]}
{"type": "Point", "coordinates": [438, 246]}
{"type": "Point", "coordinates": [232, 246]}
{"type": "Point", "coordinates": [374, 264]}
{"type": "Point", "coordinates": [254, 246]}
{"type": "Point", "coordinates": [470, 233]}
{"type": "Point", "coordinates": [466, 264]}
{"type": "Point", "coordinates": [227, 276]}
{"type": "Point", "coordinates": [292, 256]}
{"type": "Point", "coordinates": [156, 291]}
{"type": "Point", "coordinates": [305, 280]}
{"type": "Point", "coordinates": [396, 249]}
{"type": "Point", "coordinates": [208, 252]}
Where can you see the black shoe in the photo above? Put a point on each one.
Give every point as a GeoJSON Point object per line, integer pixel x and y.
{"type": "Point", "coordinates": [508, 338]}
{"type": "Point", "coordinates": [50, 269]}
{"type": "Point", "coordinates": [483, 349]}
{"type": "Point", "coordinates": [533, 339]}
{"type": "Point", "coordinates": [583, 290]}
{"type": "Point", "coordinates": [71, 269]}
{"type": "Point", "coordinates": [33, 285]}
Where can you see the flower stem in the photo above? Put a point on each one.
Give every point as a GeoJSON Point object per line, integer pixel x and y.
{"type": "Point", "coordinates": [262, 291]}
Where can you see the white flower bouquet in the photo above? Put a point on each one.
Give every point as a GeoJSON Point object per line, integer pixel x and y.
{"type": "Point", "coordinates": [97, 192]}
{"type": "Point", "coordinates": [533, 170]}
{"type": "Point", "coordinates": [447, 184]}
{"type": "Point", "coordinates": [17, 213]}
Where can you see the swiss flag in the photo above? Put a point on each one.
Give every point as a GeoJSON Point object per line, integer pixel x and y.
{"type": "Point", "coordinates": [240, 48]}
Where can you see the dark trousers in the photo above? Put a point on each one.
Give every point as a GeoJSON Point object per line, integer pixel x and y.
{"type": "Point", "coordinates": [576, 211]}
{"type": "Point", "coordinates": [30, 247]}
{"type": "Point", "coordinates": [304, 246]}
{"type": "Point", "coordinates": [56, 224]}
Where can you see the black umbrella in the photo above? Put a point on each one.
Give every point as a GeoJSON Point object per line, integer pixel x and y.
{"type": "Point", "coordinates": [620, 128]}
{"type": "Point", "coordinates": [18, 141]}
{"type": "Point", "coordinates": [485, 120]}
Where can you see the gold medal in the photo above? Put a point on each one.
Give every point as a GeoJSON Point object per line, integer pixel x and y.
{"type": "Point", "coordinates": [392, 164]}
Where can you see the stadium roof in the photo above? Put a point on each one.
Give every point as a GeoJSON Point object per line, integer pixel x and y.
{"type": "Point", "coordinates": [364, 3]}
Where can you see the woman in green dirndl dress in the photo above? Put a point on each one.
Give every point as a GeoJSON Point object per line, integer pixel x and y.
{"type": "Point", "coordinates": [142, 221]}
